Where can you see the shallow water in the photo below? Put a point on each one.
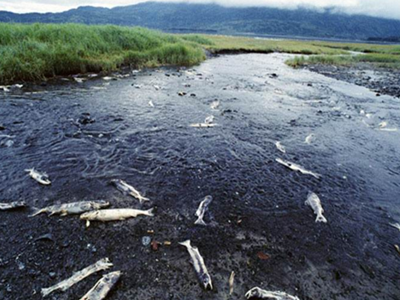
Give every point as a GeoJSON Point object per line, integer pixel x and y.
{"type": "Point", "coordinates": [258, 204]}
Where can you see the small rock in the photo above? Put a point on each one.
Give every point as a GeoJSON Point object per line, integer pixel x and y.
{"type": "Point", "coordinates": [52, 274]}
{"type": "Point", "coordinates": [181, 94]}
{"type": "Point", "coordinates": [155, 245]}
{"type": "Point", "coordinates": [2, 127]}
{"type": "Point", "coordinates": [146, 240]}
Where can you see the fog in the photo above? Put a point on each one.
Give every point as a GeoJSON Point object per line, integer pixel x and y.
{"type": "Point", "coordinates": [381, 8]}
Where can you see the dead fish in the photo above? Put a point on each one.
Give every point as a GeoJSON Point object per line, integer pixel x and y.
{"type": "Point", "coordinates": [42, 178]}
{"type": "Point", "coordinates": [106, 215]}
{"type": "Point", "coordinates": [128, 189]}
{"type": "Point", "coordinates": [12, 205]}
{"type": "Point", "coordinates": [280, 147]}
{"type": "Point", "coordinates": [101, 265]}
{"type": "Point", "coordinates": [151, 103]}
{"type": "Point", "coordinates": [309, 139]}
{"type": "Point", "coordinates": [315, 203]}
{"type": "Point", "coordinates": [395, 225]}
{"type": "Point", "coordinates": [214, 105]}
{"type": "Point", "coordinates": [296, 167]}
{"type": "Point", "coordinates": [209, 120]}
{"type": "Point", "coordinates": [73, 208]}
{"type": "Point", "coordinates": [100, 290]}
{"type": "Point", "coordinates": [202, 210]}
{"type": "Point", "coordinates": [388, 129]}
{"type": "Point", "coordinates": [263, 294]}
{"type": "Point", "coordinates": [78, 80]}
{"type": "Point", "coordinates": [198, 264]}
{"type": "Point", "coordinates": [231, 281]}
{"type": "Point", "coordinates": [202, 125]}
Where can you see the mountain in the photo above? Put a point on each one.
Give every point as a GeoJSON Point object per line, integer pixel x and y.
{"type": "Point", "coordinates": [212, 18]}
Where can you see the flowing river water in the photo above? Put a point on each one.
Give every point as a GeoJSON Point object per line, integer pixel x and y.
{"type": "Point", "coordinates": [259, 225]}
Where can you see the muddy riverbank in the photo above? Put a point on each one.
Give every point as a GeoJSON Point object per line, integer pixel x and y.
{"type": "Point", "coordinates": [86, 134]}
{"type": "Point", "coordinates": [383, 81]}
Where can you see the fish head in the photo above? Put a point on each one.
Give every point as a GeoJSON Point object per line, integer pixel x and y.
{"type": "Point", "coordinates": [115, 181]}
{"type": "Point", "coordinates": [88, 215]}
{"type": "Point", "coordinates": [255, 292]}
{"type": "Point", "coordinates": [112, 277]}
{"type": "Point", "coordinates": [206, 281]}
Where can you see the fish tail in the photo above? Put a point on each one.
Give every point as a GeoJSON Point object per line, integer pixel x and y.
{"type": "Point", "coordinates": [37, 211]}
{"type": "Point", "coordinates": [150, 212]}
{"type": "Point", "coordinates": [200, 221]}
{"type": "Point", "coordinates": [321, 218]}
{"type": "Point", "coordinates": [186, 244]}
{"type": "Point", "coordinates": [143, 199]}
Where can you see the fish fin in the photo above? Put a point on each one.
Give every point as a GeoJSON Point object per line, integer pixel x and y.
{"type": "Point", "coordinates": [200, 221]}
{"type": "Point", "coordinates": [321, 218]}
{"type": "Point", "coordinates": [37, 212]}
{"type": "Point", "coordinates": [63, 213]}
{"type": "Point", "coordinates": [186, 244]}
{"type": "Point", "coordinates": [150, 212]}
{"type": "Point", "coordinates": [143, 199]}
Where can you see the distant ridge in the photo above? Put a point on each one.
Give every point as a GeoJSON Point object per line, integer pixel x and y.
{"type": "Point", "coordinates": [212, 18]}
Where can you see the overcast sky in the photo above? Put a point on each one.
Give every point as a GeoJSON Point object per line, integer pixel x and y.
{"type": "Point", "coordinates": [382, 8]}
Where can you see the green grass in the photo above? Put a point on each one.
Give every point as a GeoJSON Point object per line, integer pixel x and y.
{"type": "Point", "coordinates": [39, 51]}
{"type": "Point", "coordinates": [375, 59]}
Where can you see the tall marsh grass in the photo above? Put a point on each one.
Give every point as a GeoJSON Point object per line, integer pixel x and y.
{"type": "Point", "coordinates": [39, 51]}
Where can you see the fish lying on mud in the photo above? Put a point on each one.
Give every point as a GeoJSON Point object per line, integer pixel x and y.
{"type": "Point", "coordinates": [280, 147]}
{"type": "Point", "coordinates": [395, 225]}
{"type": "Point", "coordinates": [73, 208]}
{"type": "Point", "coordinates": [199, 266]}
{"type": "Point", "coordinates": [309, 139]}
{"type": "Point", "coordinates": [231, 281]}
{"type": "Point", "coordinates": [107, 215]}
{"type": "Point", "coordinates": [258, 293]}
{"type": "Point", "coordinates": [296, 167]}
{"type": "Point", "coordinates": [101, 265]}
{"type": "Point", "coordinates": [42, 178]}
{"type": "Point", "coordinates": [315, 203]}
{"type": "Point", "coordinates": [100, 290]}
{"type": "Point", "coordinates": [128, 189]}
{"type": "Point", "coordinates": [12, 205]}
{"type": "Point", "coordinates": [203, 207]}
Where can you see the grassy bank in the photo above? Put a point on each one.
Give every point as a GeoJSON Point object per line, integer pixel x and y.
{"type": "Point", "coordinates": [39, 51]}
{"type": "Point", "coordinates": [321, 52]}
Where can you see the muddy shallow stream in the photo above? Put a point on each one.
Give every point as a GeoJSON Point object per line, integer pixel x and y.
{"type": "Point", "coordinates": [258, 204]}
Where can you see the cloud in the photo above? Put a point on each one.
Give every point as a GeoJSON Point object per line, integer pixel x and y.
{"type": "Point", "coordinates": [381, 8]}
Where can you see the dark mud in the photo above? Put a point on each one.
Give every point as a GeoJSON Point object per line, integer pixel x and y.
{"type": "Point", "coordinates": [258, 204]}
{"type": "Point", "coordinates": [383, 81]}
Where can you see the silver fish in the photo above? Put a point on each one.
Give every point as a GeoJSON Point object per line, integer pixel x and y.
{"type": "Point", "coordinates": [101, 265]}
{"type": "Point", "coordinates": [315, 203]}
{"type": "Point", "coordinates": [202, 210]}
{"type": "Point", "coordinates": [280, 147]}
{"type": "Point", "coordinates": [12, 205]}
{"type": "Point", "coordinates": [42, 178]}
{"type": "Point", "coordinates": [72, 208]}
{"type": "Point", "coordinates": [395, 225]}
{"type": "Point", "coordinates": [198, 264]}
{"type": "Point", "coordinates": [296, 167]}
{"type": "Point", "coordinates": [128, 189]}
{"type": "Point", "coordinates": [106, 215]}
{"type": "Point", "coordinates": [309, 139]}
{"type": "Point", "coordinates": [100, 290]}
{"type": "Point", "coordinates": [209, 120]}
{"type": "Point", "coordinates": [214, 105]}
{"type": "Point", "coordinates": [263, 294]}
{"type": "Point", "coordinates": [202, 125]}
{"type": "Point", "coordinates": [231, 281]}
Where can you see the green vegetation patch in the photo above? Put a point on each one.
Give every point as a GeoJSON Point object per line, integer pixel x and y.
{"type": "Point", "coordinates": [39, 51]}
